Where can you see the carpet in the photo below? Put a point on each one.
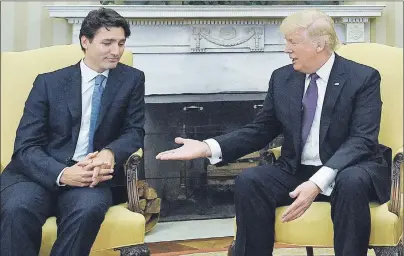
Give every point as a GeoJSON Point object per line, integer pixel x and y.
{"type": "Point", "coordinates": [281, 252]}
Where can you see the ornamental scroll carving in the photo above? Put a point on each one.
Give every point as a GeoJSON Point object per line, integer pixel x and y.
{"type": "Point", "coordinates": [355, 32]}
{"type": "Point", "coordinates": [227, 38]}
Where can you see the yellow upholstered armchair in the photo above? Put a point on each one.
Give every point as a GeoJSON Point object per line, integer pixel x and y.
{"type": "Point", "coordinates": [314, 228]}
{"type": "Point", "coordinates": [123, 229]}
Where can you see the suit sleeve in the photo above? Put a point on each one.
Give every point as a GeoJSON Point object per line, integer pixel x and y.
{"type": "Point", "coordinates": [32, 139]}
{"type": "Point", "coordinates": [362, 141]}
{"type": "Point", "coordinates": [254, 136]}
{"type": "Point", "coordinates": [132, 134]}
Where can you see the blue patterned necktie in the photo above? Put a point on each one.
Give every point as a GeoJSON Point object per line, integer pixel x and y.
{"type": "Point", "coordinates": [309, 104]}
{"type": "Point", "coordinates": [95, 109]}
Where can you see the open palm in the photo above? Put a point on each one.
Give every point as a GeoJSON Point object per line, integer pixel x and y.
{"type": "Point", "coordinates": [190, 149]}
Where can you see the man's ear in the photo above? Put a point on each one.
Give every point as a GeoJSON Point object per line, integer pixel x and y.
{"type": "Point", "coordinates": [84, 42]}
{"type": "Point", "coordinates": [320, 44]}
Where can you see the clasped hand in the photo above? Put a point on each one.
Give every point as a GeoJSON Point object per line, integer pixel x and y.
{"type": "Point", "coordinates": [96, 167]}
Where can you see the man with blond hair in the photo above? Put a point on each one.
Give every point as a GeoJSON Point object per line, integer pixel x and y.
{"type": "Point", "coordinates": [328, 109]}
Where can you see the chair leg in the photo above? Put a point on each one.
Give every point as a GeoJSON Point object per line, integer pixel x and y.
{"type": "Point", "coordinates": [397, 250]}
{"type": "Point", "coordinates": [309, 251]}
{"type": "Point", "coordinates": [135, 250]}
{"type": "Point", "coordinates": [230, 251]}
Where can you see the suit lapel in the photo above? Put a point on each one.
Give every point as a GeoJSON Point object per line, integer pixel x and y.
{"type": "Point", "coordinates": [72, 90]}
{"type": "Point", "coordinates": [113, 83]}
{"type": "Point", "coordinates": [334, 87]}
{"type": "Point", "coordinates": [296, 89]}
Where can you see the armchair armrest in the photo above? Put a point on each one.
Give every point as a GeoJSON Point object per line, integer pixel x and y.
{"type": "Point", "coordinates": [395, 200]}
{"type": "Point", "coordinates": [276, 152]}
{"type": "Point", "coordinates": [131, 172]}
{"type": "Point", "coordinates": [270, 155]}
{"type": "Point", "coordinates": [134, 198]}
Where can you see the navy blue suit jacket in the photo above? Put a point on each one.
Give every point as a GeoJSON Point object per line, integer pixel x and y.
{"type": "Point", "coordinates": [48, 131]}
{"type": "Point", "coordinates": [349, 124]}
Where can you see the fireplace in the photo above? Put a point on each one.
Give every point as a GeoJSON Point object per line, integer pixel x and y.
{"type": "Point", "coordinates": [207, 70]}
{"type": "Point", "coordinates": [196, 189]}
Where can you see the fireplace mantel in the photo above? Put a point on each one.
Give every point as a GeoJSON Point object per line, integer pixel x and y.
{"type": "Point", "coordinates": [77, 12]}
{"type": "Point", "coordinates": [186, 49]}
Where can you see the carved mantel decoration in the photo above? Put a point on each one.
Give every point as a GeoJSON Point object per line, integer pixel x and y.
{"type": "Point", "coordinates": [250, 37]}
{"type": "Point", "coordinates": [178, 35]}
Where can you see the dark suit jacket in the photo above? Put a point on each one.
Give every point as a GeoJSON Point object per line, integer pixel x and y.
{"type": "Point", "coordinates": [349, 126]}
{"type": "Point", "coordinates": [48, 131]}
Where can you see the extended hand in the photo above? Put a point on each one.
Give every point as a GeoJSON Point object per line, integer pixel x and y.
{"type": "Point", "coordinates": [80, 174]}
{"type": "Point", "coordinates": [191, 149]}
{"type": "Point", "coordinates": [305, 194]}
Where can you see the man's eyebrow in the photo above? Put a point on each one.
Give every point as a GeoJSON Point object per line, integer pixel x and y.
{"type": "Point", "coordinates": [111, 39]}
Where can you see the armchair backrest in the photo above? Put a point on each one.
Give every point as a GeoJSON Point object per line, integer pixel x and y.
{"type": "Point", "coordinates": [389, 62]}
{"type": "Point", "coordinates": [18, 72]}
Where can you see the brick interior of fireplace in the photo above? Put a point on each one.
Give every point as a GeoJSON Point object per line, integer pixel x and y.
{"type": "Point", "coordinates": [194, 189]}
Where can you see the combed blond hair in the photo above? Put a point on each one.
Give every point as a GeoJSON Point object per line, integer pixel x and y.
{"type": "Point", "coordinates": [319, 26]}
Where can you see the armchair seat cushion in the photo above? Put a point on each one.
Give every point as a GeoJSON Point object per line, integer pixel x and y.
{"type": "Point", "coordinates": [121, 227]}
{"type": "Point", "coordinates": [315, 228]}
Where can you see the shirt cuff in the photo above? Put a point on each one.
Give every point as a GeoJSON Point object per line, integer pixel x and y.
{"type": "Point", "coordinates": [324, 178]}
{"type": "Point", "coordinates": [215, 150]}
{"type": "Point", "coordinates": [58, 179]}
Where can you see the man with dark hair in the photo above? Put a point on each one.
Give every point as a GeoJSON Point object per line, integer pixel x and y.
{"type": "Point", "coordinates": [102, 18]}
{"type": "Point", "coordinates": [79, 125]}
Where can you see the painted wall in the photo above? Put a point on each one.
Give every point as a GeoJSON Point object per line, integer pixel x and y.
{"type": "Point", "coordinates": [387, 29]}
{"type": "Point", "coordinates": [27, 25]}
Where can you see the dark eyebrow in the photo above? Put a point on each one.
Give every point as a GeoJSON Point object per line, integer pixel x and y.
{"type": "Point", "coordinates": [113, 40]}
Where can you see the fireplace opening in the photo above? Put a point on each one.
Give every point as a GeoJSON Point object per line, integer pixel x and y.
{"type": "Point", "coordinates": [195, 189]}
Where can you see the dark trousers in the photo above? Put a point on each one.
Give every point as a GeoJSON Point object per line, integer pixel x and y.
{"type": "Point", "coordinates": [25, 206]}
{"type": "Point", "coordinates": [261, 189]}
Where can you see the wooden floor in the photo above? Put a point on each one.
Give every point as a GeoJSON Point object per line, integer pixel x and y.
{"type": "Point", "coordinates": [192, 246]}
{"type": "Point", "coordinates": [178, 248]}
{"type": "Point", "coordinates": [189, 246]}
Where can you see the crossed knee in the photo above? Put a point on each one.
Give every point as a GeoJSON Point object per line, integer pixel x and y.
{"type": "Point", "coordinates": [353, 180]}
{"type": "Point", "coordinates": [93, 211]}
{"type": "Point", "coordinates": [245, 179]}
{"type": "Point", "coordinates": [23, 214]}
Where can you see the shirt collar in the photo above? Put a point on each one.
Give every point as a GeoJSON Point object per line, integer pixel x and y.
{"type": "Point", "coordinates": [87, 74]}
{"type": "Point", "coordinates": [325, 70]}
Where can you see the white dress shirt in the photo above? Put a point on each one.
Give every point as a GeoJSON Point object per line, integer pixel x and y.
{"type": "Point", "coordinates": [87, 88]}
{"type": "Point", "coordinates": [325, 176]}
